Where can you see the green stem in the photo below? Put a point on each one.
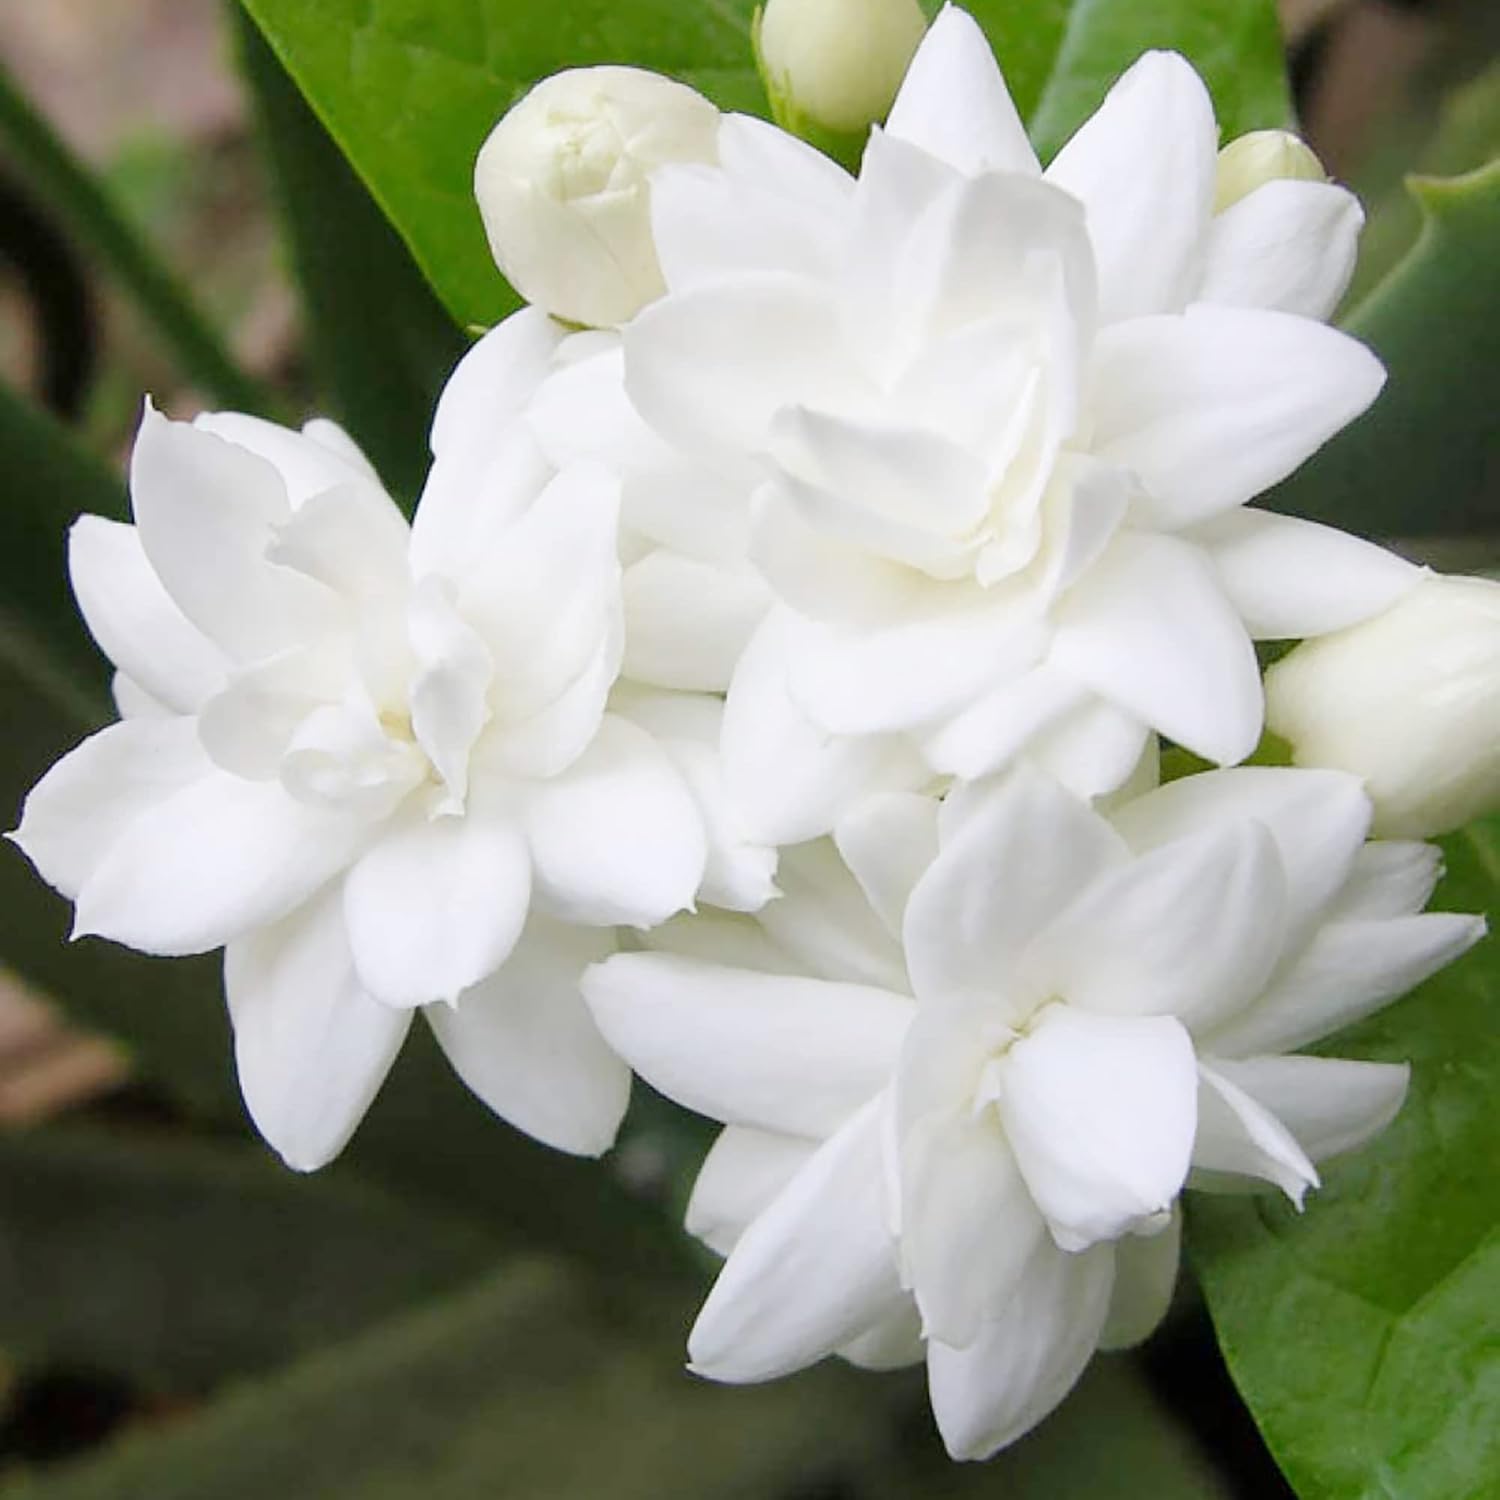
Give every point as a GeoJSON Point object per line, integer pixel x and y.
{"type": "Point", "coordinates": [87, 210]}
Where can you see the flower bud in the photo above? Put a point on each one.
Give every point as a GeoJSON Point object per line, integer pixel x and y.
{"type": "Point", "coordinates": [563, 189]}
{"type": "Point", "coordinates": [1250, 161]}
{"type": "Point", "coordinates": [837, 63]}
{"type": "Point", "coordinates": [1409, 700]}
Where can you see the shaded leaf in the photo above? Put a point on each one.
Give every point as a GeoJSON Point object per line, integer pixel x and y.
{"type": "Point", "coordinates": [382, 342]}
{"type": "Point", "coordinates": [179, 1264]}
{"type": "Point", "coordinates": [1364, 1334]}
{"type": "Point", "coordinates": [1425, 460]}
{"type": "Point", "coordinates": [527, 1386]}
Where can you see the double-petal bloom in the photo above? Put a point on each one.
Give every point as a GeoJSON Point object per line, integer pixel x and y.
{"type": "Point", "coordinates": [373, 762]}
{"type": "Point", "coordinates": [966, 1078]}
{"type": "Point", "coordinates": [988, 434]}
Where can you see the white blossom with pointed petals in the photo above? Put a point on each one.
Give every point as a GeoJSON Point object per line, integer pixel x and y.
{"type": "Point", "coordinates": [375, 763]}
{"type": "Point", "coordinates": [954, 460]}
{"type": "Point", "coordinates": [967, 1063]}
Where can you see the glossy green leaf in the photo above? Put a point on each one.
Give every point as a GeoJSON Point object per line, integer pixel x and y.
{"type": "Point", "coordinates": [1424, 461]}
{"type": "Point", "coordinates": [81, 202]}
{"type": "Point", "coordinates": [1364, 1335]}
{"type": "Point", "coordinates": [382, 342]}
{"type": "Point", "coordinates": [410, 90]}
{"type": "Point", "coordinates": [179, 1265]}
{"type": "Point", "coordinates": [529, 1387]}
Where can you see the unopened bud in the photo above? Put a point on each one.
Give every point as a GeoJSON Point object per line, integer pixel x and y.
{"type": "Point", "coordinates": [1409, 700]}
{"type": "Point", "coordinates": [837, 63]}
{"type": "Point", "coordinates": [1250, 161]}
{"type": "Point", "coordinates": [563, 189]}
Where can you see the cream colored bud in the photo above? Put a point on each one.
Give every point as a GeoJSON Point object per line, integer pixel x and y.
{"type": "Point", "coordinates": [1251, 161]}
{"type": "Point", "coordinates": [563, 187]}
{"type": "Point", "coordinates": [837, 63]}
{"type": "Point", "coordinates": [1409, 700]}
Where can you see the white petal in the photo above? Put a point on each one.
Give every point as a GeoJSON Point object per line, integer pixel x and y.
{"type": "Point", "coordinates": [449, 687]}
{"type": "Point", "coordinates": [824, 920]}
{"type": "Point", "coordinates": [891, 1344]}
{"type": "Point", "coordinates": [1145, 1277]}
{"type": "Point", "coordinates": [473, 493]}
{"type": "Point", "coordinates": [307, 466]}
{"type": "Point", "coordinates": [855, 680]}
{"type": "Point", "coordinates": [740, 872]}
{"type": "Point", "coordinates": [901, 478]}
{"type": "Point", "coordinates": [740, 1177]}
{"type": "Point", "coordinates": [617, 837]}
{"type": "Point", "coordinates": [545, 594]}
{"type": "Point", "coordinates": [1391, 878]}
{"type": "Point", "coordinates": [1239, 1137]}
{"type": "Point", "coordinates": [213, 861]}
{"type": "Point", "coordinates": [311, 1047]}
{"type": "Point", "coordinates": [709, 367]}
{"type": "Point", "coordinates": [133, 618]}
{"type": "Point", "coordinates": [82, 806]}
{"type": "Point", "coordinates": [954, 102]}
{"type": "Point", "coordinates": [1093, 750]}
{"type": "Point", "coordinates": [707, 225]}
{"type": "Point", "coordinates": [790, 779]}
{"type": "Point", "coordinates": [1143, 164]}
{"type": "Point", "coordinates": [778, 1052]}
{"type": "Point", "coordinates": [1212, 408]}
{"type": "Point", "coordinates": [686, 622]}
{"type": "Point", "coordinates": [813, 1271]}
{"type": "Point", "coordinates": [352, 538]}
{"type": "Point", "coordinates": [819, 573]}
{"type": "Point", "coordinates": [436, 906]}
{"type": "Point", "coordinates": [1021, 851]}
{"type": "Point", "coordinates": [494, 378]}
{"type": "Point", "coordinates": [523, 1040]}
{"type": "Point", "coordinates": [1100, 1112]}
{"type": "Point", "coordinates": [1025, 1361]}
{"type": "Point", "coordinates": [754, 151]}
{"type": "Point", "coordinates": [1319, 820]}
{"type": "Point", "coordinates": [721, 938]}
{"type": "Point", "coordinates": [983, 737]}
{"type": "Point", "coordinates": [969, 1227]}
{"type": "Point", "coordinates": [206, 512]}
{"type": "Point", "coordinates": [887, 843]}
{"type": "Point", "coordinates": [328, 434]}
{"type": "Point", "coordinates": [1190, 930]}
{"type": "Point", "coordinates": [1330, 1104]}
{"type": "Point", "coordinates": [1288, 245]}
{"type": "Point", "coordinates": [1349, 970]}
{"type": "Point", "coordinates": [1150, 630]}
{"type": "Point", "coordinates": [1289, 579]}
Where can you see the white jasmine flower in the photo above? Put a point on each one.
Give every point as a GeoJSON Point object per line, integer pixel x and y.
{"type": "Point", "coordinates": [373, 762]}
{"type": "Point", "coordinates": [992, 433]}
{"type": "Point", "coordinates": [958, 1122]}
{"type": "Point", "coordinates": [837, 63]}
{"type": "Point", "coordinates": [563, 191]}
{"type": "Point", "coordinates": [1409, 700]}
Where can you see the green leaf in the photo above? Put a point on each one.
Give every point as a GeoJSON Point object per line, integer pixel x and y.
{"type": "Point", "coordinates": [77, 197]}
{"type": "Point", "coordinates": [529, 1386]}
{"type": "Point", "coordinates": [410, 91]}
{"type": "Point", "coordinates": [1363, 1334]}
{"type": "Point", "coordinates": [382, 342]}
{"type": "Point", "coordinates": [178, 1264]}
{"type": "Point", "coordinates": [1422, 461]}
{"type": "Point", "coordinates": [52, 478]}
